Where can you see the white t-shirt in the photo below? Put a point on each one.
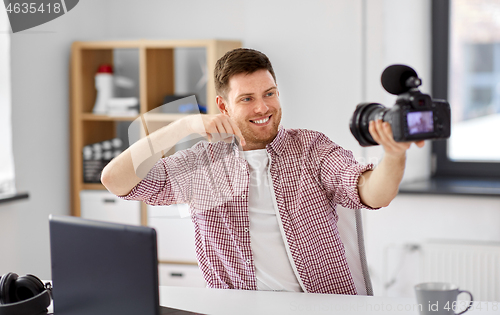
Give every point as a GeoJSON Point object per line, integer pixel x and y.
{"type": "Point", "coordinates": [273, 267]}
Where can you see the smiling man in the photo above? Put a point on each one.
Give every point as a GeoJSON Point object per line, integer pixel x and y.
{"type": "Point", "coordinates": [264, 212]}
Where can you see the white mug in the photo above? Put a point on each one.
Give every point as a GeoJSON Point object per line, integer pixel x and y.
{"type": "Point", "coordinates": [437, 298]}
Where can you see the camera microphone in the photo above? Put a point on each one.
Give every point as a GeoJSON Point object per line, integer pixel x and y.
{"type": "Point", "coordinates": [397, 79]}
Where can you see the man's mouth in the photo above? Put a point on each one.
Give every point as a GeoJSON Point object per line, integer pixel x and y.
{"type": "Point", "coordinates": [261, 121]}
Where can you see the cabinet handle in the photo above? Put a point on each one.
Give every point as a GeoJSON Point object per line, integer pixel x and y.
{"type": "Point", "coordinates": [176, 274]}
{"type": "Point", "coordinates": [109, 200]}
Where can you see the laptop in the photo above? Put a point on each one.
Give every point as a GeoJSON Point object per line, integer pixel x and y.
{"type": "Point", "coordinates": [103, 268]}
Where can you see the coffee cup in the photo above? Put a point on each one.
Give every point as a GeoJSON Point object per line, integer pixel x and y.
{"type": "Point", "coordinates": [438, 298]}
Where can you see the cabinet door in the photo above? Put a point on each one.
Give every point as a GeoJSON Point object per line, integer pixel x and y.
{"type": "Point", "coordinates": [175, 232]}
{"type": "Point", "coordinates": [180, 275]}
{"type": "Point", "coordinates": [104, 206]}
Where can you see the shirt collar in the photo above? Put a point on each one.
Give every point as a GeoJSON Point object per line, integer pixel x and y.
{"type": "Point", "coordinates": [278, 144]}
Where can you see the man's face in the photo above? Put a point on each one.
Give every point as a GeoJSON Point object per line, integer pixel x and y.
{"type": "Point", "coordinates": [253, 104]}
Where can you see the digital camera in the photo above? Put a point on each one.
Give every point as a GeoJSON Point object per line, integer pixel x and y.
{"type": "Point", "coordinates": [415, 116]}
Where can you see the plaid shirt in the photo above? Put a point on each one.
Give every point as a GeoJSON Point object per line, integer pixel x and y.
{"type": "Point", "coordinates": [310, 175]}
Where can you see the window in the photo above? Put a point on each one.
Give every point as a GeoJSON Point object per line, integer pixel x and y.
{"type": "Point", "coordinates": [466, 72]}
{"type": "Point", "coordinates": [6, 156]}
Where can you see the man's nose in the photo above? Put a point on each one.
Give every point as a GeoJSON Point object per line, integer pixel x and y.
{"type": "Point", "coordinates": [261, 106]}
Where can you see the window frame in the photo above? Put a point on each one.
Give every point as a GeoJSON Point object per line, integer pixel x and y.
{"type": "Point", "coordinates": [442, 165]}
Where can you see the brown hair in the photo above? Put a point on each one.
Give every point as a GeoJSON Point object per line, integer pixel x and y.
{"type": "Point", "coordinates": [236, 61]}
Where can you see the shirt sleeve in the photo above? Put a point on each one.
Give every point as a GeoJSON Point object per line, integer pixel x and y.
{"type": "Point", "coordinates": [167, 183]}
{"type": "Point", "coordinates": [199, 176]}
{"type": "Point", "coordinates": [340, 173]}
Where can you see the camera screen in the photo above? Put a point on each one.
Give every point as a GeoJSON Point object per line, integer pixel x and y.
{"type": "Point", "coordinates": [420, 122]}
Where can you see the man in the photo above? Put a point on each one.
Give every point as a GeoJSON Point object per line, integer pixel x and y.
{"type": "Point", "coordinates": [264, 213]}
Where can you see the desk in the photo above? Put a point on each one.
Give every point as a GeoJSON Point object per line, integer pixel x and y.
{"type": "Point", "coordinates": [230, 302]}
{"type": "Point", "coordinates": [242, 302]}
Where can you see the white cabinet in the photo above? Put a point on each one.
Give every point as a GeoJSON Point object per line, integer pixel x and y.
{"type": "Point", "coordinates": [180, 275]}
{"type": "Point", "coordinates": [175, 233]}
{"type": "Point", "coordinates": [104, 206]}
{"type": "Point", "coordinates": [176, 251]}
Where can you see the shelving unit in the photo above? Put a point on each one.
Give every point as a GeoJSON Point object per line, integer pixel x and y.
{"type": "Point", "coordinates": [156, 80]}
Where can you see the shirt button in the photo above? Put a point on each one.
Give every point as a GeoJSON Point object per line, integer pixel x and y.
{"type": "Point", "coordinates": [243, 196]}
{"type": "Point", "coordinates": [246, 229]}
{"type": "Point", "coordinates": [248, 261]}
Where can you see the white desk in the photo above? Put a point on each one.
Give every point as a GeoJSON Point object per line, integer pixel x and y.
{"type": "Point", "coordinates": [230, 302]}
{"type": "Point", "coordinates": [241, 302]}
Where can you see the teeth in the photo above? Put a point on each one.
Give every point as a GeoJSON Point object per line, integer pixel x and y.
{"type": "Point", "coordinates": [261, 121]}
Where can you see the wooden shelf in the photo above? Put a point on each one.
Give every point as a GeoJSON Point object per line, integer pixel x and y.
{"type": "Point", "coordinates": [148, 116]}
{"type": "Point", "coordinates": [163, 117]}
{"type": "Point", "coordinates": [87, 186]}
{"type": "Point", "coordinates": [146, 43]}
{"type": "Point", "coordinates": [93, 117]}
{"type": "Point", "coordinates": [156, 80]}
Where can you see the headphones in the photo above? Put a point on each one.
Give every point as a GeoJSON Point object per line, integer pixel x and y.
{"type": "Point", "coordinates": [25, 295]}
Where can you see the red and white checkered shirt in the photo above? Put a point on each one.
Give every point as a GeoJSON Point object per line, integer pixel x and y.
{"type": "Point", "coordinates": [310, 174]}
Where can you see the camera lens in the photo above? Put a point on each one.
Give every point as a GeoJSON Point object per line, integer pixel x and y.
{"type": "Point", "coordinates": [364, 113]}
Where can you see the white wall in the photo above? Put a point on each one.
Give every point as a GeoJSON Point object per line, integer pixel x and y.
{"type": "Point", "coordinates": [7, 180]}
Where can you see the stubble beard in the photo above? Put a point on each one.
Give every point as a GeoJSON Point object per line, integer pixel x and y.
{"type": "Point", "coordinates": [255, 140]}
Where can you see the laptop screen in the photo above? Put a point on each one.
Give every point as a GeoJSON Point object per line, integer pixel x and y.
{"type": "Point", "coordinates": [103, 268]}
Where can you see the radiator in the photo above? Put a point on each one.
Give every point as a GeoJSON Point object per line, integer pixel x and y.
{"type": "Point", "coordinates": [472, 266]}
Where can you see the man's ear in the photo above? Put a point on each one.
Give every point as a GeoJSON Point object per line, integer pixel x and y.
{"type": "Point", "coordinates": [221, 104]}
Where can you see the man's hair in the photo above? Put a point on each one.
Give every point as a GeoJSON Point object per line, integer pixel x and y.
{"type": "Point", "coordinates": [236, 61]}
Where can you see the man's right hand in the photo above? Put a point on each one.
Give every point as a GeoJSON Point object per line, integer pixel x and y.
{"type": "Point", "coordinates": [215, 127]}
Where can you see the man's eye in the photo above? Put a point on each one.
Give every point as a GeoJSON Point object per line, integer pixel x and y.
{"type": "Point", "coordinates": [270, 94]}
{"type": "Point", "coordinates": [246, 99]}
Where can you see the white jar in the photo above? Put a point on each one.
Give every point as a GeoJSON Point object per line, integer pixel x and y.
{"type": "Point", "coordinates": [104, 85]}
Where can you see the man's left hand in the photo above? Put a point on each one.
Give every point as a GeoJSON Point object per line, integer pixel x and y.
{"type": "Point", "coordinates": [380, 186]}
{"type": "Point", "coordinates": [381, 132]}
